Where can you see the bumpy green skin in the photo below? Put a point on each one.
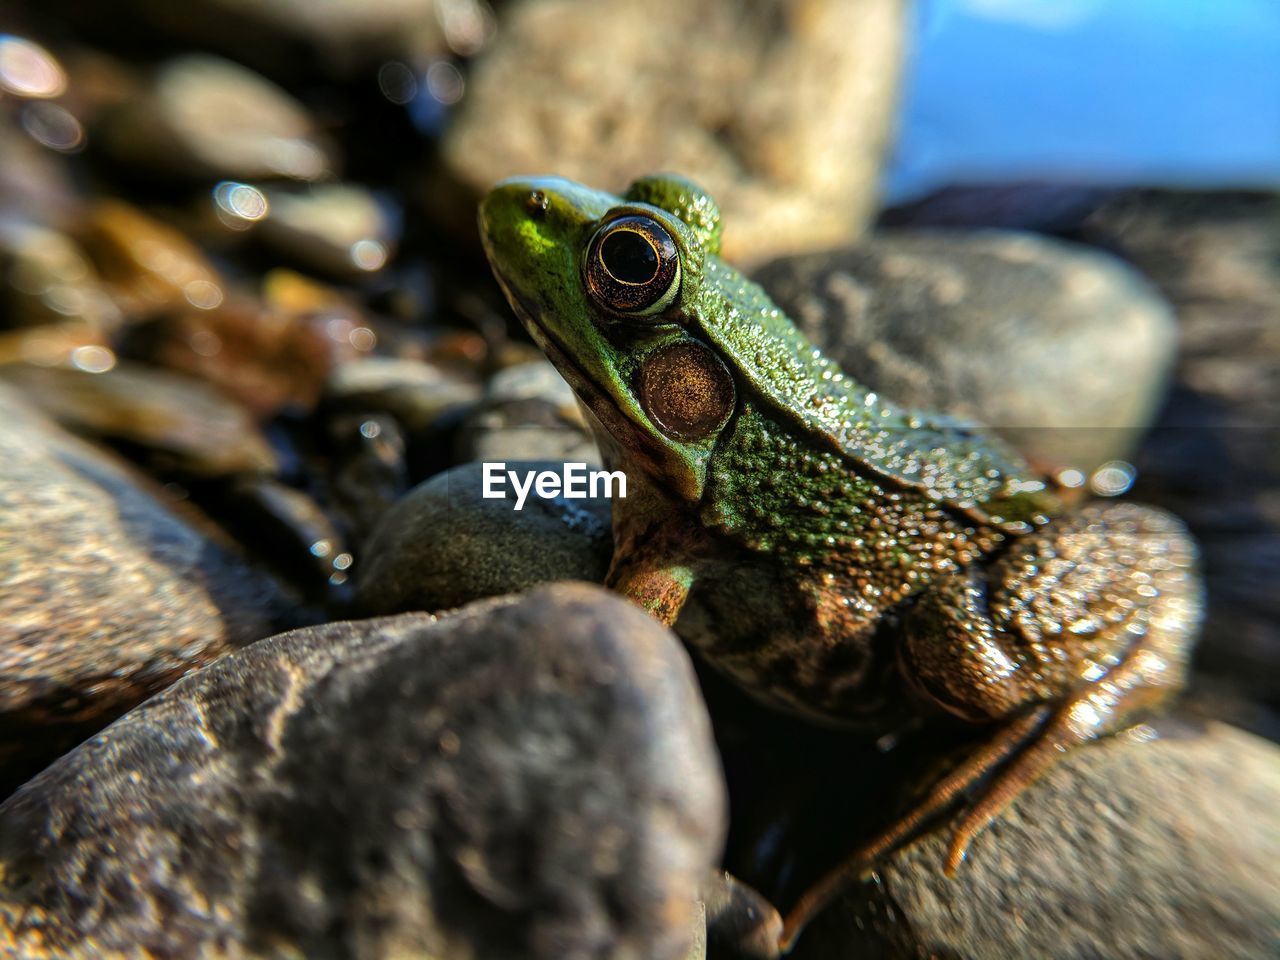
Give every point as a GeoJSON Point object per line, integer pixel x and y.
{"type": "Point", "coordinates": [795, 546]}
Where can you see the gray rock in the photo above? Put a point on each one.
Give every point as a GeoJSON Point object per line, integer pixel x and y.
{"type": "Point", "coordinates": [526, 778]}
{"type": "Point", "coordinates": [341, 229]}
{"type": "Point", "coordinates": [182, 424]}
{"type": "Point", "coordinates": [105, 596]}
{"type": "Point", "coordinates": [603, 91]}
{"type": "Point", "coordinates": [444, 544]}
{"type": "Point", "coordinates": [1125, 849]}
{"type": "Point", "coordinates": [417, 394]}
{"type": "Point", "coordinates": [1214, 455]}
{"type": "Point", "coordinates": [528, 413]}
{"type": "Point", "coordinates": [205, 117]}
{"type": "Point", "coordinates": [1063, 350]}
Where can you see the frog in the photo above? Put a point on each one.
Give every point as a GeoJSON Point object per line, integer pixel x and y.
{"type": "Point", "coordinates": [836, 555]}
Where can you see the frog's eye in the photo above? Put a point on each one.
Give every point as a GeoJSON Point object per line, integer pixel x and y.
{"type": "Point", "coordinates": [633, 266]}
{"type": "Point", "coordinates": [687, 390]}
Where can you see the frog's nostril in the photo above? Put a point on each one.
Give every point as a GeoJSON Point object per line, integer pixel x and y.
{"type": "Point", "coordinates": [536, 204]}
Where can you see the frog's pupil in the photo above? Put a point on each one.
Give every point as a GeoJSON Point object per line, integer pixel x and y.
{"type": "Point", "coordinates": [629, 257]}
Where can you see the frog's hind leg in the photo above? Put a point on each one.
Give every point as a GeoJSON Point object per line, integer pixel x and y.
{"type": "Point", "coordinates": [1061, 640]}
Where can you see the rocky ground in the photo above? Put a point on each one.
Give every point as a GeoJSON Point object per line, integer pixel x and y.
{"type": "Point", "coordinates": [251, 357]}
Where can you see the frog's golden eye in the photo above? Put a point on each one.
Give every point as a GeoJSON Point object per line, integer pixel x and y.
{"type": "Point", "coordinates": [687, 390]}
{"type": "Point", "coordinates": [633, 266]}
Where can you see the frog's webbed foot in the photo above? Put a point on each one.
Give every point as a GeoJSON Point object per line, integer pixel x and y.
{"type": "Point", "coordinates": [1064, 638]}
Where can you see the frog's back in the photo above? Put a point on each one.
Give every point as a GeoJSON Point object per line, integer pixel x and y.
{"type": "Point", "coordinates": [948, 461]}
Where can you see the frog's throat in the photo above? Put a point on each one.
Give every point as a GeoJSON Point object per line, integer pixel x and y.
{"type": "Point", "coordinates": [606, 413]}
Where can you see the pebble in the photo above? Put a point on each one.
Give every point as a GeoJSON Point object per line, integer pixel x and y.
{"type": "Point", "coordinates": [604, 91]}
{"type": "Point", "coordinates": [1063, 350]}
{"type": "Point", "coordinates": [529, 777]}
{"type": "Point", "coordinates": [528, 413]}
{"type": "Point", "coordinates": [178, 424]}
{"type": "Point", "coordinates": [339, 229]}
{"type": "Point", "coordinates": [444, 544]}
{"type": "Point", "coordinates": [204, 117]}
{"type": "Point", "coordinates": [107, 595]}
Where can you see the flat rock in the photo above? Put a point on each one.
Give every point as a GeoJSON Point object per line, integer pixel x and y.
{"type": "Point", "coordinates": [1125, 849]}
{"type": "Point", "coordinates": [604, 91]}
{"type": "Point", "coordinates": [444, 544]}
{"type": "Point", "coordinates": [526, 778]}
{"type": "Point", "coordinates": [204, 117]}
{"type": "Point", "coordinates": [1062, 349]}
{"type": "Point", "coordinates": [105, 596]}
{"type": "Point", "coordinates": [181, 424]}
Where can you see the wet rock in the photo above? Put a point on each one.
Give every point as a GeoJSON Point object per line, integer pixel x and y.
{"type": "Point", "coordinates": [49, 279]}
{"type": "Point", "coordinates": [32, 182]}
{"type": "Point", "coordinates": [105, 596]}
{"type": "Point", "coordinates": [369, 470]}
{"type": "Point", "coordinates": [208, 118]}
{"type": "Point", "coordinates": [269, 358]}
{"type": "Point", "coordinates": [341, 229]}
{"type": "Point", "coordinates": [1125, 849]}
{"type": "Point", "coordinates": [603, 92]}
{"type": "Point", "coordinates": [1061, 349]}
{"type": "Point", "coordinates": [1214, 455]}
{"type": "Point", "coordinates": [149, 266]}
{"type": "Point", "coordinates": [416, 394]}
{"type": "Point", "coordinates": [444, 544]}
{"type": "Point", "coordinates": [528, 413]}
{"type": "Point", "coordinates": [178, 424]}
{"type": "Point", "coordinates": [529, 778]}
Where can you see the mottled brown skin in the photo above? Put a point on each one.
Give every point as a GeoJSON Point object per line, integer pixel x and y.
{"type": "Point", "coordinates": [837, 556]}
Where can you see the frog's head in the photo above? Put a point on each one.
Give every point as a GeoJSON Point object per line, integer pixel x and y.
{"type": "Point", "coordinates": [610, 288]}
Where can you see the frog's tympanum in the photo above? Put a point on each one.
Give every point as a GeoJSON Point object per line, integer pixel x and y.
{"type": "Point", "coordinates": [834, 554]}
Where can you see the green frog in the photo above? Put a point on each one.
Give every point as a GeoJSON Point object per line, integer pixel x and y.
{"type": "Point", "coordinates": [835, 554]}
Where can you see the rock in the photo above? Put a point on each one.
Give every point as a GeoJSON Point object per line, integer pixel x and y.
{"type": "Point", "coordinates": [150, 268]}
{"type": "Point", "coordinates": [208, 118]}
{"type": "Point", "coordinates": [341, 229]}
{"type": "Point", "coordinates": [603, 92]}
{"type": "Point", "coordinates": [48, 279]}
{"type": "Point", "coordinates": [417, 394]}
{"type": "Point", "coordinates": [444, 544]}
{"type": "Point", "coordinates": [267, 357]}
{"type": "Point", "coordinates": [180, 424]}
{"type": "Point", "coordinates": [368, 470]}
{"type": "Point", "coordinates": [1124, 849]}
{"type": "Point", "coordinates": [528, 413]}
{"type": "Point", "coordinates": [529, 777]}
{"type": "Point", "coordinates": [105, 596]}
{"type": "Point", "coordinates": [1214, 455]}
{"type": "Point", "coordinates": [1061, 349]}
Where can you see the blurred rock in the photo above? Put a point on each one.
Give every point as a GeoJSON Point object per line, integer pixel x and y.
{"type": "Point", "coordinates": [267, 358]}
{"type": "Point", "coordinates": [369, 470]}
{"type": "Point", "coordinates": [416, 394]}
{"type": "Point", "coordinates": [780, 109]}
{"type": "Point", "coordinates": [1063, 350]}
{"type": "Point", "coordinates": [47, 278]}
{"type": "Point", "coordinates": [208, 118]}
{"type": "Point", "coordinates": [1042, 207]}
{"type": "Point", "coordinates": [176, 423]}
{"type": "Point", "coordinates": [527, 778]}
{"type": "Point", "coordinates": [105, 596]}
{"type": "Point", "coordinates": [149, 266]}
{"type": "Point", "coordinates": [1214, 455]}
{"type": "Point", "coordinates": [34, 183]}
{"type": "Point", "coordinates": [1125, 849]}
{"type": "Point", "coordinates": [336, 36]}
{"type": "Point", "coordinates": [341, 229]}
{"type": "Point", "coordinates": [528, 413]}
{"type": "Point", "coordinates": [444, 544]}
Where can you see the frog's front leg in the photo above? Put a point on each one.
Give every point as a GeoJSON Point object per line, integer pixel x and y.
{"type": "Point", "coordinates": [1060, 640]}
{"type": "Point", "coordinates": [659, 586]}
